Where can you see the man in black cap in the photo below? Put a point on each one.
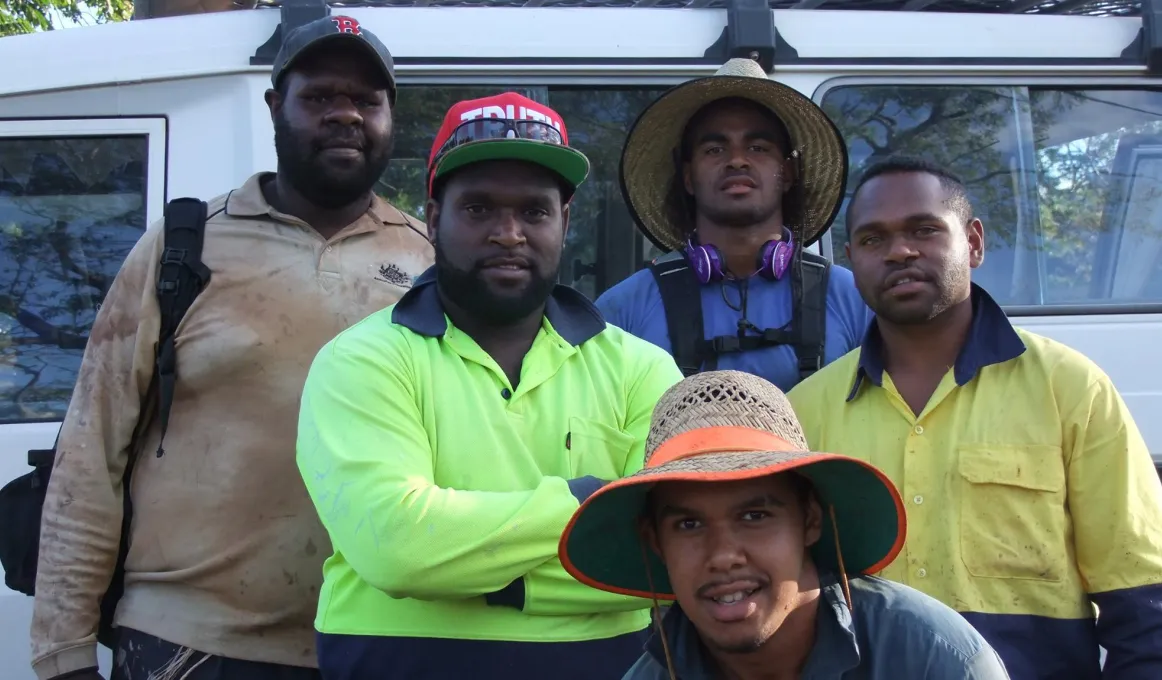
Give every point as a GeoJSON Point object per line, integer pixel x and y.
{"type": "Point", "coordinates": [225, 548]}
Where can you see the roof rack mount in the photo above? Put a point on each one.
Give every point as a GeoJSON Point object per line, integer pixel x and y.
{"type": "Point", "coordinates": [1151, 35]}
{"type": "Point", "coordinates": [750, 32]}
{"type": "Point", "coordinates": [293, 13]}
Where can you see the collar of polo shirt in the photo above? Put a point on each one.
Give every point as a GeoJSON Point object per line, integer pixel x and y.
{"type": "Point", "coordinates": [991, 340]}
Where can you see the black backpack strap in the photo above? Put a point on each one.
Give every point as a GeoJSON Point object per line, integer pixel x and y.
{"type": "Point", "coordinates": [809, 280]}
{"type": "Point", "coordinates": [682, 303]}
{"type": "Point", "coordinates": [181, 276]}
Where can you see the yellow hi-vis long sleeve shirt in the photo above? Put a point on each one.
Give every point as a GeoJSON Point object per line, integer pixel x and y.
{"type": "Point", "coordinates": [1030, 494]}
{"type": "Point", "coordinates": [445, 490]}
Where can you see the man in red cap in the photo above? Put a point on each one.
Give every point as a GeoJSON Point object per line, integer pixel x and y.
{"type": "Point", "coordinates": [447, 440]}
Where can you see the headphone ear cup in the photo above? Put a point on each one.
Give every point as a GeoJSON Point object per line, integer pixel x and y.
{"type": "Point", "coordinates": [774, 258]}
{"type": "Point", "coordinates": [700, 261]}
{"type": "Point", "coordinates": [764, 259]}
{"type": "Point", "coordinates": [781, 258]}
{"type": "Point", "coordinates": [714, 262]}
{"type": "Point", "coordinates": [770, 257]}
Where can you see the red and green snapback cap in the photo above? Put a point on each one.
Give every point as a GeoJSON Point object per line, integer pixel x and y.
{"type": "Point", "coordinates": [506, 126]}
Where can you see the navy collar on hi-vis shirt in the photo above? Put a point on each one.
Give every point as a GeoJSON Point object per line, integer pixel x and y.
{"type": "Point", "coordinates": [991, 340]}
{"type": "Point", "coordinates": [572, 315]}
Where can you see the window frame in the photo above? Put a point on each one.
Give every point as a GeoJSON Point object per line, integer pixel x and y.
{"type": "Point", "coordinates": [975, 80]}
{"type": "Point", "coordinates": [155, 130]}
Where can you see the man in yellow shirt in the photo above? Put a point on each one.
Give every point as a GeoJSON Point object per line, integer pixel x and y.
{"type": "Point", "coordinates": [1031, 497]}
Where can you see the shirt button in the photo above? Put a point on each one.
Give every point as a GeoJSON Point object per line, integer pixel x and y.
{"type": "Point", "coordinates": [919, 429]}
{"type": "Point", "coordinates": [506, 393]}
{"type": "Point", "coordinates": [917, 499]}
{"type": "Point", "coordinates": [329, 249]}
{"type": "Point", "coordinates": [921, 572]}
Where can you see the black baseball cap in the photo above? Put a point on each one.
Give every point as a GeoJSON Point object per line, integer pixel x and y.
{"type": "Point", "coordinates": [328, 30]}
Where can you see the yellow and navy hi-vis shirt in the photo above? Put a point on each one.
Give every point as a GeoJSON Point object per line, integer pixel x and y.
{"type": "Point", "coordinates": [445, 491]}
{"type": "Point", "coordinates": [1031, 496]}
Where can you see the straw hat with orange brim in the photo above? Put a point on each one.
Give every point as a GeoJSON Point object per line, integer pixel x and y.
{"type": "Point", "coordinates": [723, 426]}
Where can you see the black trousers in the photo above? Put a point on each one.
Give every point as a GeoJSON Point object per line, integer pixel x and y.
{"type": "Point", "coordinates": [358, 657]}
{"type": "Point", "coordinates": [140, 656]}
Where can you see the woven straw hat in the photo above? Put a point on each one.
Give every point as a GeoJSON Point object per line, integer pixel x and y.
{"type": "Point", "coordinates": [648, 167]}
{"type": "Point", "coordinates": [725, 426]}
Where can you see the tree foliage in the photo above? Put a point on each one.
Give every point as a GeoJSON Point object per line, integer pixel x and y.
{"type": "Point", "coordinates": [28, 16]}
{"type": "Point", "coordinates": [1040, 166]}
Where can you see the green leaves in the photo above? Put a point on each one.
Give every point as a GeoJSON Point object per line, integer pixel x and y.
{"type": "Point", "coordinates": [29, 16]}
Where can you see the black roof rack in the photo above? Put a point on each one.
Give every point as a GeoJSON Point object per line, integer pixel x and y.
{"type": "Point", "coordinates": [1084, 7]}
{"type": "Point", "coordinates": [750, 28]}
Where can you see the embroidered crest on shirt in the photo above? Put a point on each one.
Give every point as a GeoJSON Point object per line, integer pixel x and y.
{"type": "Point", "coordinates": [389, 273]}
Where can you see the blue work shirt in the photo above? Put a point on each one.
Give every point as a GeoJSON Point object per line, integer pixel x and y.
{"type": "Point", "coordinates": [635, 306]}
{"type": "Point", "coordinates": [891, 632]}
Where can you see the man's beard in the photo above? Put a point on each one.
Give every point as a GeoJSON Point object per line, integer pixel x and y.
{"type": "Point", "coordinates": [948, 296]}
{"type": "Point", "coordinates": [298, 162]}
{"type": "Point", "coordinates": [469, 290]}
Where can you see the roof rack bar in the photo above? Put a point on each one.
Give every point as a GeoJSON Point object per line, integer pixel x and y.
{"type": "Point", "coordinates": [917, 5]}
{"type": "Point", "coordinates": [292, 14]}
{"type": "Point", "coordinates": [1073, 7]}
{"type": "Point", "coordinates": [1022, 6]}
{"type": "Point", "coordinates": [1065, 6]}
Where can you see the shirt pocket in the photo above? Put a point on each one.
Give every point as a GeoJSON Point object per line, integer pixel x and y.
{"type": "Point", "coordinates": [1012, 512]}
{"type": "Point", "coordinates": [596, 449]}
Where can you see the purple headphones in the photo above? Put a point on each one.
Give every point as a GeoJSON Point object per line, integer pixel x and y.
{"type": "Point", "coordinates": [773, 259]}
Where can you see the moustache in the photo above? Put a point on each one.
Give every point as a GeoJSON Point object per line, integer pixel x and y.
{"type": "Point", "coordinates": [752, 582]}
{"type": "Point", "coordinates": [356, 142]}
{"type": "Point", "coordinates": [731, 176]}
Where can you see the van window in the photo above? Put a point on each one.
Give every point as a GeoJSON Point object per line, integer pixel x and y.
{"type": "Point", "coordinates": [71, 208]}
{"type": "Point", "coordinates": [602, 246]}
{"type": "Point", "coordinates": [1066, 181]}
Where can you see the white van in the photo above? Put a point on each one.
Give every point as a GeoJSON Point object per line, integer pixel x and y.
{"type": "Point", "coordinates": [1054, 118]}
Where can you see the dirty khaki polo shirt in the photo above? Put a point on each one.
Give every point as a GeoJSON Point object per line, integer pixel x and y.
{"type": "Point", "coordinates": [227, 551]}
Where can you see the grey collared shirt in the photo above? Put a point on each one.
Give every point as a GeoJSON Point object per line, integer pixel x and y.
{"type": "Point", "coordinates": [891, 632]}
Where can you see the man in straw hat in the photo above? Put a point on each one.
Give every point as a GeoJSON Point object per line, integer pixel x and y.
{"type": "Point", "coordinates": [737, 174]}
{"type": "Point", "coordinates": [764, 545]}
{"type": "Point", "coordinates": [446, 441]}
{"type": "Point", "coordinates": [1032, 498]}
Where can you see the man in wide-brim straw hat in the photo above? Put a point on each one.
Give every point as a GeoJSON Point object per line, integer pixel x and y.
{"type": "Point", "coordinates": [765, 547]}
{"type": "Point", "coordinates": [736, 174]}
